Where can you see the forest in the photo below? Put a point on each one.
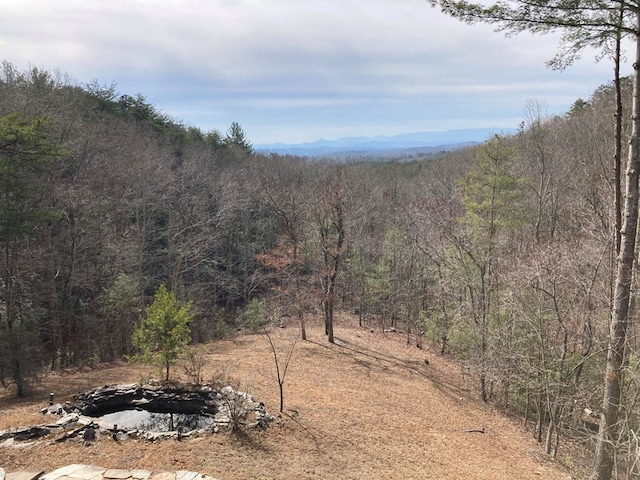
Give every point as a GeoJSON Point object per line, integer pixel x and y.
{"type": "Point", "coordinates": [501, 256]}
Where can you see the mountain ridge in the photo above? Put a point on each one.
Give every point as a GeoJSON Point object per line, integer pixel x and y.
{"type": "Point", "coordinates": [428, 140]}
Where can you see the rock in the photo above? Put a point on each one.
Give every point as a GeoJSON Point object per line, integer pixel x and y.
{"type": "Point", "coordinates": [74, 471]}
{"type": "Point", "coordinates": [87, 472]}
{"type": "Point", "coordinates": [122, 436]}
{"type": "Point", "coordinates": [25, 433]}
{"type": "Point", "coordinates": [117, 474]}
{"type": "Point", "coordinates": [68, 420]}
{"type": "Point", "coordinates": [56, 409]}
{"type": "Point", "coordinates": [175, 399]}
{"type": "Point", "coordinates": [162, 476]}
{"type": "Point", "coordinates": [185, 475]}
{"type": "Point", "coordinates": [23, 445]}
{"type": "Point", "coordinates": [7, 443]}
{"type": "Point", "coordinates": [33, 475]}
{"type": "Point", "coordinates": [153, 436]}
{"type": "Point", "coordinates": [89, 434]}
{"type": "Point", "coordinates": [140, 474]}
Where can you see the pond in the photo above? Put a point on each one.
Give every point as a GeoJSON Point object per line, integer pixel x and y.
{"type": "Point", "coordinates": [158, 422]}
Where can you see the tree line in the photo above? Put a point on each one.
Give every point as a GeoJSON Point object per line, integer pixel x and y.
{"type": "Point", "coordinates": [502, 256]}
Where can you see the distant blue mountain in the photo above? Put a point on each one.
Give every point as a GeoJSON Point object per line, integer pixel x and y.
{"type": "Point", "coordinates": [418, 141]}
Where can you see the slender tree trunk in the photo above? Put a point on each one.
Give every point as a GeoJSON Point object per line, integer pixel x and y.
{"type": "Point", "coordinates": [617, 158]}
{"type": "Point", "coordinates": [303, 328]}
{"type": "Point", "coordinates": [18, 377]}
{"type": "Point", "coordinates": [332, 255]}
{"type": "Point", "coordinates": [296, 266]}
{"type": "Point", "coordinates": [541, 419]}
{"type": "Point", "coordinates": [604, 457]}
{"type": "Point", "coordinates": [54, 317]}
{"type": "Point", "coordinates": [328, 319]}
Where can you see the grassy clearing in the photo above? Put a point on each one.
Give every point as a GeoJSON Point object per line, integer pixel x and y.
{"type": "Point", "coordinates": [367, 407]}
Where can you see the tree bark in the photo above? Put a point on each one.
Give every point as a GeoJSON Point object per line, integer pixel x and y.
{"type": "Point", "coordinates": [617, 158]}
{"type": "Point", "coordinates": [605, 447]}
{"type": "Point", "coordinates": [332, 225]}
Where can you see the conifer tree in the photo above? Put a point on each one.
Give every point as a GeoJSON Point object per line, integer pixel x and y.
{"type": "Point", "coordinates": [163, 332]}
{"type": "Point", "coordinates": [493, 200]}
{"type": "Point", "coordinates": [237, 137]}
{"type": "Point", "coordinates": [27, 149]}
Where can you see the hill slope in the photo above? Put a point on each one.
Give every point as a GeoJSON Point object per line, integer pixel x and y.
{"type": "Point", "coordinates": [367, 407]}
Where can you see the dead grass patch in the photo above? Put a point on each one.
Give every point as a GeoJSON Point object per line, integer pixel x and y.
{"type": "Point", "coordinates": [366, 407]}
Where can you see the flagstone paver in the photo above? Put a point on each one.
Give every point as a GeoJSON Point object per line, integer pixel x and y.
{"type": "Point", "coordinates": [63, 472]}
{"type": "Point", "coordinates": [162, 476]}
{"type": "Point", "coordinates": [23, 475]}
{"type": "Point", "coordinates": [140, 474]}
{"type": "Point", "coordinates": [185, 475]}
{"type": "Point", "coordinates": [87, 472]}
{"type": "Point", "coordinates": [117, 474]}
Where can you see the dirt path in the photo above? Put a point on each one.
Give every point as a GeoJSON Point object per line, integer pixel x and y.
{"type": "Point", "coordinates": [367, 407]}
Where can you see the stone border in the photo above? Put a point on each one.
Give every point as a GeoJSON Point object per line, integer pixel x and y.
{"type": "Point", "coordinates": [90, 472]}
{"type": "Point", "coordinates": [163, 398]}
{"type": "Point", "coordinates": [226, 407]}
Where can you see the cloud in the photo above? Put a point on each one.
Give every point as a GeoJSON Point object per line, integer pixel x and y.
{"type": "Point", "coordinates": [286, 69]}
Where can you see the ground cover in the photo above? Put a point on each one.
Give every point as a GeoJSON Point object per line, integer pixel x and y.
{"type": "Point", "coordinates": [367, 407]}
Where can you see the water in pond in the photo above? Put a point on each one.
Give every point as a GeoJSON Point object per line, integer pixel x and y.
{"type": "Point", "coordinates": [157, 422]}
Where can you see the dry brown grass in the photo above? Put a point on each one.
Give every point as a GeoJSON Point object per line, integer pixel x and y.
{"type": "Point", "coordinates": [366, 408]}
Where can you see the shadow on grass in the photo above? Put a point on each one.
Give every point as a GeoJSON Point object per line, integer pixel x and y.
{"type": "Point", "coordinates": [306, 429]}
{"type": "Point", "coordinates": [249, 439]}
{"type": "Point", "coordinates": [371, 359]}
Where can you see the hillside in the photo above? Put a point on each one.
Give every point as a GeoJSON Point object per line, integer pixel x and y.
{"type": "Point", "coordinates": [367, 407]}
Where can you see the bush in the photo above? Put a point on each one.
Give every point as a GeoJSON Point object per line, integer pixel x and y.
{"type": "Point", "coordinates": [193, 361]}
{"type": "Point", "coordinates": [254, 316]}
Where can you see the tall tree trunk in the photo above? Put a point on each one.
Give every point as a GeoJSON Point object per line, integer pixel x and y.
{"type": "Point", "coordinates": [297, 294]}
{"type": "Point", "coordinates": [332, 225]}
{"type": "Point", "coordinates": [329, 317]}
{"type": "Point", "coordinates": [13, 324]}
{"type": "Point", "coordinates": [604, 458]}
{"type": "Point", "coordinates": [54, 317]}
{"type": "Point", "coordinates": [617, 158]}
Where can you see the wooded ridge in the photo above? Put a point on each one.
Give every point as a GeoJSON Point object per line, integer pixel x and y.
{"type": "Point", "coordinates": [499, 255]}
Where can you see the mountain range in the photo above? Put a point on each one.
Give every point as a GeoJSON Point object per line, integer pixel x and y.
{"type": "Point", "coordinates": [406, 143]}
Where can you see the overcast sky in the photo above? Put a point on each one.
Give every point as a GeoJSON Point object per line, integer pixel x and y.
{"type": "Point", "coordinates": [298, 70]}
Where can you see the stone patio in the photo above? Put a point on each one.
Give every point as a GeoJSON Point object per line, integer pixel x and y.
{"type": "Point", "coordinates": [90, 472]}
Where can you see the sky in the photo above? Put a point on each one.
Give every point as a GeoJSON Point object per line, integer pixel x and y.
{"type": "Point", "coordinates": [294, 71]}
